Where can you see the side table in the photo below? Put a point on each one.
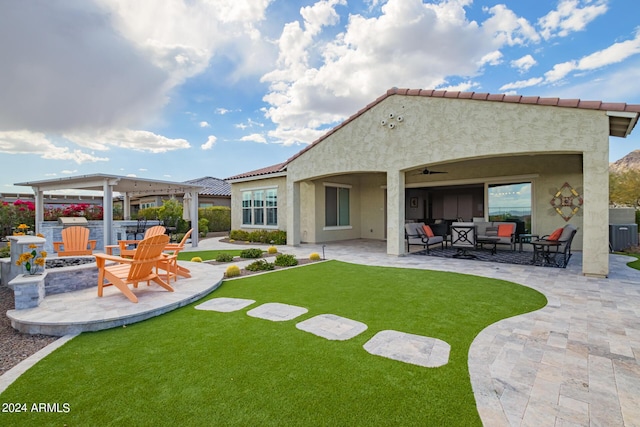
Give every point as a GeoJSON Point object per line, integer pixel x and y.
{"type": "Point", "coordinates": [526, 238]}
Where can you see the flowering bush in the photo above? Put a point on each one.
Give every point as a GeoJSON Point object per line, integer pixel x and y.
{"type": "Point", "coordinates": [89, 211]}
{"type": "Point", "coordinates": [33, 261]}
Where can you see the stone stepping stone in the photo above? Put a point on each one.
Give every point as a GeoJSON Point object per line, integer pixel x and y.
{"type": "Point", "coordinates": [409, 348]}
{"type": "Point", "coordinates": [277, 312]}
{"type": "Point", "coordinates": [224, 305]}
{"type": "Point", "coordinates": [332, 327]}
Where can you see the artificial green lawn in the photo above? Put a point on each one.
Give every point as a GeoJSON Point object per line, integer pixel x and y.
{"type": "Point", "coordinates": [206, 255]}
{"type": "Point", "coordinates": [193, 367]}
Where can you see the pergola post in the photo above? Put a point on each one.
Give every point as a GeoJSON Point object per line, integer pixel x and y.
{"type": "Point", "coordinates": [107, 212]}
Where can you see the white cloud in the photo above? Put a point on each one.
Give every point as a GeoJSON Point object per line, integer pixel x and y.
{"type": "Point", "coordinates": [571, 16]}
{"type": "Point", "coordinates": [26, 142]}
{"type": "Point", "coordinates": [254, 137]}
{"type": "Point", "coordinates": [615, 53]}
{"type": "Point", "coordinates": [508, 28]}
{"type": "Point", "coordinates": [491, 58]}
{"type": "Point", "coordinates": [68, 172]}
{"type": "Point", "coordinates": [113, 63]}
{"type": "Point", "coordinates": [137, 140]}
{"type": "Point", "coordinates": [318, 83]}
{"type": "Point", "coordinates": [211, 141]}
{"type": "Point", "coordinates": [522, 84]}
{"type": "Point", "coordinates": [523, 64]}
{"type": "Point", "coordinates": [204, 124]}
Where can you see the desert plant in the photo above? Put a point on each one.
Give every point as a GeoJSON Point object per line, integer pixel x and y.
{"type": "Point", "coordinates": [251, 253]}
{"type": "Point", "coordinates": [5, 251]}
{"type": "Point", "coordinates": [286, 260]}
{"type": "Point", "coordinates": [196, 259]}
{"type": "Point", "coordinates": [232, 271]}
{"type": "Point", "coordinates": [260, 265]}
{"type": "Point", "coordinates": [272, 250]}
{"type": "Point", "coordinates": [224, 257]}
{"type": "Point", "coordinates": [203, 225]}
{"type": "Point", "coordinates": [315, 256]}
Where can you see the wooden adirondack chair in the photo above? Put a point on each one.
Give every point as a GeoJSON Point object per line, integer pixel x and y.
{"type": "Point", "coordinates": [170, 265]}
{"type": "Point", "coordinates": [123, 245]}
{"type": "Point", "coordinates": [75, 241]}
{"type": "Point", "coordinates": [131, 271]}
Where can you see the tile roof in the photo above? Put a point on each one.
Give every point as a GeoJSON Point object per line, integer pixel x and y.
{"type": "Point", "coordinates": [476, 96]}
{"type": "Point", "coordinates": [258, 172]}
{"type": "Point", "coordinates": [212, 186]}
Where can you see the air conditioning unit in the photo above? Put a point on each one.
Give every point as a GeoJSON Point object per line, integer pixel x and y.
{"type": "Point", "coordinates": [623, 236]}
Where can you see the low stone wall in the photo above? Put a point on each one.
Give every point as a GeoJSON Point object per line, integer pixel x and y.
{"type": "Point", "coordinates": [69, 279]}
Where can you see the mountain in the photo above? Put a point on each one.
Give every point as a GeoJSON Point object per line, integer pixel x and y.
{"type": "Point", "coordinates": [628, 163]}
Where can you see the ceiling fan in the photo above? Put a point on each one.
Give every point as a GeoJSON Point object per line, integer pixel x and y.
{"type": "Point", "coordinates": [427, 171]}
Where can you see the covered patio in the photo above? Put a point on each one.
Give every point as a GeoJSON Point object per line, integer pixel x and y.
{"type": "Point", "coordinates": [123, 185]}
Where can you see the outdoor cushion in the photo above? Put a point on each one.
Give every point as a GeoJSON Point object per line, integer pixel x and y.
{"type": "Point", "coordinates": [556, 234]}
{"type": "Point", "coordinates": [566, 232]}
{"type": "Point", "coordinates": [505, 230]}
{"type": "Point", "coordinates": [428, 231]}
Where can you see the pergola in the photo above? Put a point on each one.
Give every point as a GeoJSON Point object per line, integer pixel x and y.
{"type": "Point", "coordinates": [127, 186]}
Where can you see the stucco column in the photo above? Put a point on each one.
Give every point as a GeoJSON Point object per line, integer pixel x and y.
{"type": "Point", "coordinates": [595, 246]}
{"type": "Point", "coordinates": [395, 212]}
{"type": "Point", "coordinates": [195, 234]}
{"type": "Point", "coordinates": [107, 212]}
{"type": "Point", "coordinates": [293, 213]}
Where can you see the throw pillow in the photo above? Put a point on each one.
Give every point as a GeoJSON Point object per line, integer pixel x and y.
{"type": "Point", "coordinates": [556, 234]}
{"type": "Point", "coordinates": [428, 231]}
{"type": "Point", "coordinates": [505, 230]}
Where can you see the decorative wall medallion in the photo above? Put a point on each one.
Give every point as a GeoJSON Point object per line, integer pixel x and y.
{"type": "Point", "coordinates": [391, 121]}
{"type": "Point", "coordinates": [567, 201]}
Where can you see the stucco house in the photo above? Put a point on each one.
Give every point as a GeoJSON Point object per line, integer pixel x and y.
{"type": "Point", "coordinates": [376, 170]}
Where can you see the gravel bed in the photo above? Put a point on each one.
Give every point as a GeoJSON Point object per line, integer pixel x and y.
{"type": "Point", "coordinates": [16, 346]}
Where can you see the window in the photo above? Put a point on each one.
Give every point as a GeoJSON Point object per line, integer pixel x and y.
{"type": "Point", "coordinates": [260, 207]}
{"type": "Point", "coordinates": [337, 206]}
{"type": "Point", "coordinates": [511, 201]}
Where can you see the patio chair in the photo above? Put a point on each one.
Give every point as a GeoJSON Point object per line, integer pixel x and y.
{"type": "Point", "coordinates": [418, 234]}
{"type": "Point", "coordinates": [555, 255]}
{"type": "Point", "coordinates": [170, 264]}
{"type": "Point", "coordinates": [128, 247]}
{"type": "Point", "coordinates": [131, 271]}
{"type": "Point", "coordinates": [463, 238]}
{"type": "Point", "coordinates": [75, 241]}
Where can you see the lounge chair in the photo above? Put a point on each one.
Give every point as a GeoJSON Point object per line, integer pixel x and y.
{"type": "Point", "coordinates": [463, 238]}
{"type": "Point", "coordinates": [170, 265]}
{"type": "Point", "coordinates": [128, 247]}
{"type": "Point", "coordinates": [554, 249]}
{"type": "Point", "coordinates": [131, 271]}
{"type": "Point", "coordinates": [417, 234]}
{"type": "Point", "coordinates": [75, 241]}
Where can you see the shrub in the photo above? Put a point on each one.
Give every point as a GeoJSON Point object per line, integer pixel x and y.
{"type": "Point", "coordinates": [196, 259]}
{"type": "Point", "coordinates": [314, 256]}
{"type": "Point", "coordinates": [5, 251]}
{"type": "Point", "coordinates": [232, 271]}
{"type": "Point", "coordinates": [286, 260]}
{"type": "Point", "coordinates": [260, 265]}
{"type": "Point", "coordinates": [219, 217]}
{"type": "Point", "coordinates": [224, 257]}
{"type": "Point", "coordinates": [272, 250]}
{"type": "Point", "coordinates": [251, 253]}
{"type": "Point", "coordinates": [275, 237]}
{"type": "Point", "coordinates": [203, 225]}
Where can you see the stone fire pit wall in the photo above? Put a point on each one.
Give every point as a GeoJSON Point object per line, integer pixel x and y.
{"type": "Point", "coordinates": [72, 278]}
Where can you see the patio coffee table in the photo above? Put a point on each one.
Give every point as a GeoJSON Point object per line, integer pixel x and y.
{"type": "Point", "coordinates": [481, 241]}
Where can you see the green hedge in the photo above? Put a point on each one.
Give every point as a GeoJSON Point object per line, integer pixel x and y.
{"type": "Point", "coordinates": [219, 217]}
{"type": "Point", "coordinates": [278, 237]}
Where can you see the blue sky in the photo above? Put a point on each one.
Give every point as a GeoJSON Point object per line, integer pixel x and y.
{"type": "Point", "coordinates": [181, 89]}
